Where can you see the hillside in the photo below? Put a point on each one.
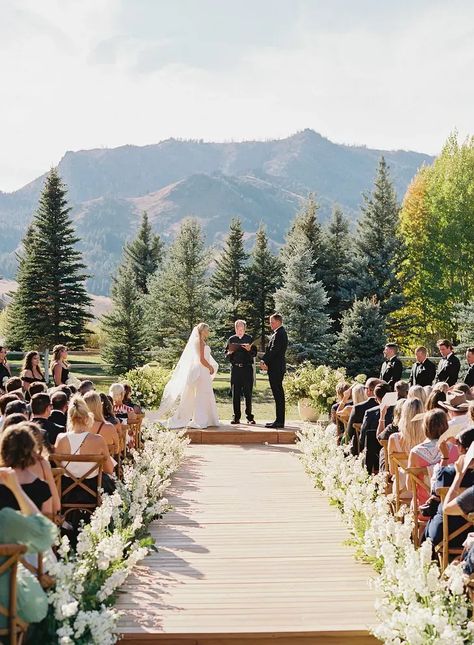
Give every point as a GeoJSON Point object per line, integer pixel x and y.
{"type": "Point", "coordinates": [258, 181]}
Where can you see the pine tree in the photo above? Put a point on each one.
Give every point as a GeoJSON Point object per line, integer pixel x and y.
{"type": "Point", "coordinates": [178, 296]}
{"type": "Point", "coordinates": [123, 327]}
{"type": "Point", "coordinates": [263, 278]}
{"type": "Point", "coordinates": [51, 305]}
{"type": "Point", "coordinates": [359, 345]}
{"type": "Point", "coordinates": [335, 266]}
{"type": "Point", "coordinates": [144, 254]}
{"type": "Point", "coordinates": [306, 222]}
{"type": "Point", "coordinates": [302, 301]}
{"type": "Point", "coordinates": [378, 247]}
{"type": "Point", "coordinates": [227, 284]}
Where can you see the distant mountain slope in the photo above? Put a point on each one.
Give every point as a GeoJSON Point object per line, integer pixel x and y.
{"type": "Point", "coordinates": [259, 181]}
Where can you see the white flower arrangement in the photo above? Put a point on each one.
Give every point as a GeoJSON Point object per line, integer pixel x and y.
{"type": "Point", "coordinates": [418, 605]}
{"type": "Point", "coordinates": [112, 543]}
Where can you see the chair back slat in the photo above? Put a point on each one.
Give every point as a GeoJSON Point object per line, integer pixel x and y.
{"type": "Point", "coordinates": [399, 461]}
{"type": "Point", "coordinates": [418, 477]}
{"type": "Point", "coordinates": [443, 549]}
{"type": "Point", "coordinates": [16, 626]}
{"type": "Point", "coordinates": [80, 482]}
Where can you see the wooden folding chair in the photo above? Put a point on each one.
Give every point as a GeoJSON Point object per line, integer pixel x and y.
{"type": "Point", "coordinates": [443, 549]}
{"type": "Point", "coordinates": [357, 427]}
{"type": "Point", "coordinates": [399, 461]}
{"type": "Point", "coordinates": [418, 477]}
{"type": "Point", "coordinates": [135, 429]}
{"type": "Point", "coordinates": [17, 627]}
{"type": "Point", "coordinates": [343, 417]}
{"type": "Point", "coordinates": [386, 472]}
{"type": "Point", "coordinates": [96, 469]}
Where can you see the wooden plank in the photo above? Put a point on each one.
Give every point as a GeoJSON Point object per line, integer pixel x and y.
{"type": "Point", "coordinates": [251, 553]}
{"type": "Point", "coordinates": [240, 434]}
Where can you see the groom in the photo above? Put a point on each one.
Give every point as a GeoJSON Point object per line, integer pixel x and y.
{"type": "Point", "coordinates": [274, 362]}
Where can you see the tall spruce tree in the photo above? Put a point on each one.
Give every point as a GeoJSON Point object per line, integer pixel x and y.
{"type": "Point", "coordinates": [307, 223]}
{"type": "Point", "coordinates": [51, 305]}
{"type": "Point", "coordinates": [178, 296]}
{"type": "Point", "coordinates": [359, 345]}
{"type": "Point", "coordinates": [144, 254]}
{"type": "Point", "coordinates": [302, 301]}
{"type": "Point", "coordinates": [263, 278]}
{"type": "Point", "coordinates": [123, 327]}
{"type": "Point", "coordinates": [335, 267]}
{"type": "Point", "coordinates": [377, 245]}
{"type": "Point", "coordinates": [227, 284]}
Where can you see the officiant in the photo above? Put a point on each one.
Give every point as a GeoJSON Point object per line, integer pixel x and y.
{"type": "Point", "coordinates": [241, 353]}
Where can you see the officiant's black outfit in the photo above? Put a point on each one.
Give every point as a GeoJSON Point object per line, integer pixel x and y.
{"type": "Point", "coordinates": [274, 359]}
{"type": "Point", "coordinates": [241, 377]}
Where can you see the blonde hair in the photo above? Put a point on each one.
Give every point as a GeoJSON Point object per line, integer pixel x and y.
{"type": "Point", "coordinates": [117, 391]}
{"type": "Point", "coordinates": [201, 327]}
{"type": "Point", "coordinates": [397, 412]}
{"type": "Point", "coordinates": [417, 392]}
{"type": "Point", "coordinates": [411, 432]}
{"type": "Point", "coordinates": [442, 386]}
{"type": "Point", "coordinates": [358, 394]}
{"type": "Point", "coordinates": [78, 414]}
{"type": "Point", "coordinates": [94, 403]}
{"type": "Point", "coordinates": [56, 355]}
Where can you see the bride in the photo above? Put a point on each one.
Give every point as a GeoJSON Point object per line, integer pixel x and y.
{"type": "Point", "coordinates": [188, 395]}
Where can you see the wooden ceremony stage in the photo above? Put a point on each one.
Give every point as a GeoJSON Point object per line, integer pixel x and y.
{"type": "Point", "coordinates": [251, 553]}
{"type": "Point", "coordinates": [243, 433]}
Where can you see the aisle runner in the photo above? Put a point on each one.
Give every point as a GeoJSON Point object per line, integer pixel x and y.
{"type": "Point", "coordinates": [250, 548]}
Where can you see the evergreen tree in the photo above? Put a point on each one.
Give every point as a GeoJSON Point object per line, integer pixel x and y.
{"type": "Point", "coordinates": [360, 343]}
{"type": "Point", "coordinates": [144, 254]}
{"type": "Point", "coordinates": [51, 305]}
{"type": "Point", "coordinates": [377, 245]}
{"type": "Point", "coordinates": [227, 284]}
{"type": "Point", "coordinates": [306, 222]}
{"type": "Point", "coordinates": [336, 266]}
{"type": "Point", "coordinates": [302, 302]}
{"type": "Point", "coordinates": [178, 296]}
{"type": "Point", "coordinates": [123, 327]}
{"type": "Point", "coordinates": [263, 278]}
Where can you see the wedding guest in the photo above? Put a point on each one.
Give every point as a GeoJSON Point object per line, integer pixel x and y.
{"type": "Point", "coordinates": [410, 430]}
{"type": "Point", "coordinates": [17, 407]}
{"type": "Point", "coordinates": [33, 530]}
{"type": "Point", "coordinates": [435, 398]}
{"type": "Point", "coordinates": [41, 409]}
{"type": "Point", "coordinates": [358, 412]}
{"type": "Point", "coordinates": [5, 399]}
{"type": "Point", "coordinates": [457, 502]}
{"type": "Point", "coordinates": [449, 365]}
{"type": "Point", "coordinates": [59, 403]}
{"type": "Point", "coordinates": [31, 370]}
{"type": "Point", "coordinates": [457, 407]}
{"type": "Point", "coordinates": [423, 371]}
{"type": "Point", "coordinates": [463, 387]}
{"type": "Point", "coordinates": [417, 392]}
{"type": "Point", "coordinates": [127, 399]}
{"type": "Point", "coordinates": [5, 371]}
{"type": "Point", "coordinates": [37, 388]}
{"type": "Point", "coordinates": [392, 367]}
{"type": "Point", "coordinates": [370, 423]}
{"type": "Point", "coordinates": [100, 426]}
{"type": "Point", "coordinates": [13, 385]}
{"type": "Point", "coordinates": [66, 389]}
{"type": "Point", "coordinates": [428, 389]}
{"type": "Point", "coordinates": [12, 420]}
{"type": "Point", "coordinates": [469, 378]}
{"type": "Point", "coordinates": [18, 451]}
{"type": "Point", "coordinates": [341, 403]}
{"type": "Point", "coordinates": [121, 411]}
{"type": "Point", "coordinates": [59, 365]}
{"type": "Point", "coordinates": [384, 432]}
{"type": "Point", "coordinates": [241, 353]}
{"type": "Point", "coordinates": [108, 409]}
{"type": "Point", "coordinates": [401, 388]}
{"type": "Point", "coordinates": [42, 468]}
{"type": "Point", "coordinates": [359, 393]}
{"type": "Point", "coordinates": [85, 386]}
{"type": "Point", "coordinates": [442, 386]}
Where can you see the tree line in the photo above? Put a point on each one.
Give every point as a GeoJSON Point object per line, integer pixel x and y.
{"type": "Point", "coordinates": [402, 274]}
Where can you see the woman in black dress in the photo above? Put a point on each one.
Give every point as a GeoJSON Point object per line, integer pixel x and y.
{"type": "Point", "coordinates": [59, 365]}
{"type": "Point", "coordinates": [5, 372]}
{"type": "Point", "coordinates": [31, 370]}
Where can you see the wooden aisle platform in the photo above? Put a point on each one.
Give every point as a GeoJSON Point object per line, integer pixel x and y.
{"type": "Point", "coordinates": [243, 433]}
{"type": "Point", "coordinates": [250, 554]}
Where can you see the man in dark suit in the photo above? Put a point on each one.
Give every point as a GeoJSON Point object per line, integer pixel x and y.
{"type": "Point", "coordinates": [275, 363]}
{"type": "Point", "coordinates": [240, 352]}
{"type": "Point", "coordinates": [449, 365]}
{"type": "Point", "coordinates": [40, 410]}
{"type": "Point", "coordinates": [469, 378]}
{"type": "Point", "coordinates": [423, 371]}
{"type": "Point", "coordinates": [59, 414]}
{"type": "Point", "coordinates": [358, 412]}
{"type": "Point", "coordinates": [392, 367]}
{"type": "Point", "coordinates": [368, 431]}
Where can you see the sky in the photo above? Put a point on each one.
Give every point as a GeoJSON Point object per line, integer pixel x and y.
{"type": "Point", "coordinates": [79, 74]}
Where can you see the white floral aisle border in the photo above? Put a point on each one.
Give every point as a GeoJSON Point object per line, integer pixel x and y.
{"type": "Point", "coordinates": [115, 540]}
{"type": "Point", "coordinates": [417, 605]}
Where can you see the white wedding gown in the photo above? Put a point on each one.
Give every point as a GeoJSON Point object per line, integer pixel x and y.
{"type": "Point", "coordinates": [189, 396]}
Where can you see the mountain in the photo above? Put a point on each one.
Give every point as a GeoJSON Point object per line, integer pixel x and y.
{"type": "Point", "coordinates": [258, 181]}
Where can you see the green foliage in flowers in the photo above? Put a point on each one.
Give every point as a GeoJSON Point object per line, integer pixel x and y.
{"type": "Point", "coordinates": [315, 383]}
{"type": "Point", "coordinates": [147, 384]}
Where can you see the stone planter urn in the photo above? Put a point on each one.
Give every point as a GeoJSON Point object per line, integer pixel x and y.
{"type": "Point", "coordinates": [307, 412]}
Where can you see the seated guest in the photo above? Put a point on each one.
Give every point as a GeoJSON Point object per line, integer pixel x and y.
{"type": "Point", "coordinates": [100, 426]}
{"type": "Point", "coordinates": [444, 478]}
{"type": "Point", "coordinates": [59, 365]}
{"type": "Point", "coordinates": [28, 527]}
{"type": "Point", "coordinates": [42, 467]}
{"type": "Point", "coordinates": [37, 388]}
{"type": "Point", "coordinates": [435, 398]}
{"type": "Point", "coordinates": [384, 432]}
{"type": "Point", "coordinates": [392, 367]}
{"type": "Point", "coordinates": [401, 388]}
{"type": "Point", "coordinates": [121, 411]}
{"type": "Point", "coordinates": [13, 385]}
{"type": "Point", "coordinates": [423, 371]}
{"type": "Point", "coordinates": [457, 502]}
{"type": "Point", "coordinates": [469, 378]}
{"type": "Point", "coordinates": [5, 399]}
{"type": "Point", "coordinates": [442, 386]}
{"type": "Point", "coordinates": [5, 371]}
{"type": "Point", "coordinates": [13, 420]}
{"type": "Point", "coordinates": [336, 426]}
{"type": "Point", "coordinates": [108, 409]}
{"type": "Point", "coordinates": [17, 407]}
{"type": "Point", "coordinates": [427, 454]}
{"type": "Point", "coordinates": [18, 450]}
{"type": "Point", "coordinates": [59, 403]}
{"type": "Point", "coordinates": [428, 389]}
{"type": "Point", "coordinates": [368, 433]}
{"type": "Point", "coordinates": [31, 370]}
{"type": "Point", "coordinates": [66, 389]}
{"type": "Point", "coordinates": [462, 387]}
{"type": "Point", "coordinates": [457, 407]}
{"type": "Point", "coordinates": [449, 365]}
{"type": "Point", "coordinates": [85, 386]}
{"type": "Point", "coordinates": [128, 400]}
{"type": "Point", "coordinates": [417, 392]}
{"type": "Point", "coordinates": [410, 430]}
{"type": "Point", "coordinates": [41, 409]}
{"type": "Point", "coordinates": [358, 412]}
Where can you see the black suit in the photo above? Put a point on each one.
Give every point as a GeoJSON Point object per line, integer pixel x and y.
{"type": "Point", "coordinates": [423, 373]}
{"type": "Point", "coordinates": [469, 378]}
{"type": "Point", "coordinates": [357, 416]}
{"type": "Point", "coordinates": [50, 429]}
{"type": "Point", "coordinates": [274, 359]}
{"type": "Point", "coordinates": [368, 436]}
{"type": "Point", "coordinates": [59, 418]}
{"type": "Point", "coordinates": [448, 370]}
{"type": "Point", "coordinates": [391, 371]}
{"type": "Point", "coordinates": [241, 378]}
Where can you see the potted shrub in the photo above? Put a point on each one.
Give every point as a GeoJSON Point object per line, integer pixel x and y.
{"type": "Point", "coordinates": [313, 389]}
